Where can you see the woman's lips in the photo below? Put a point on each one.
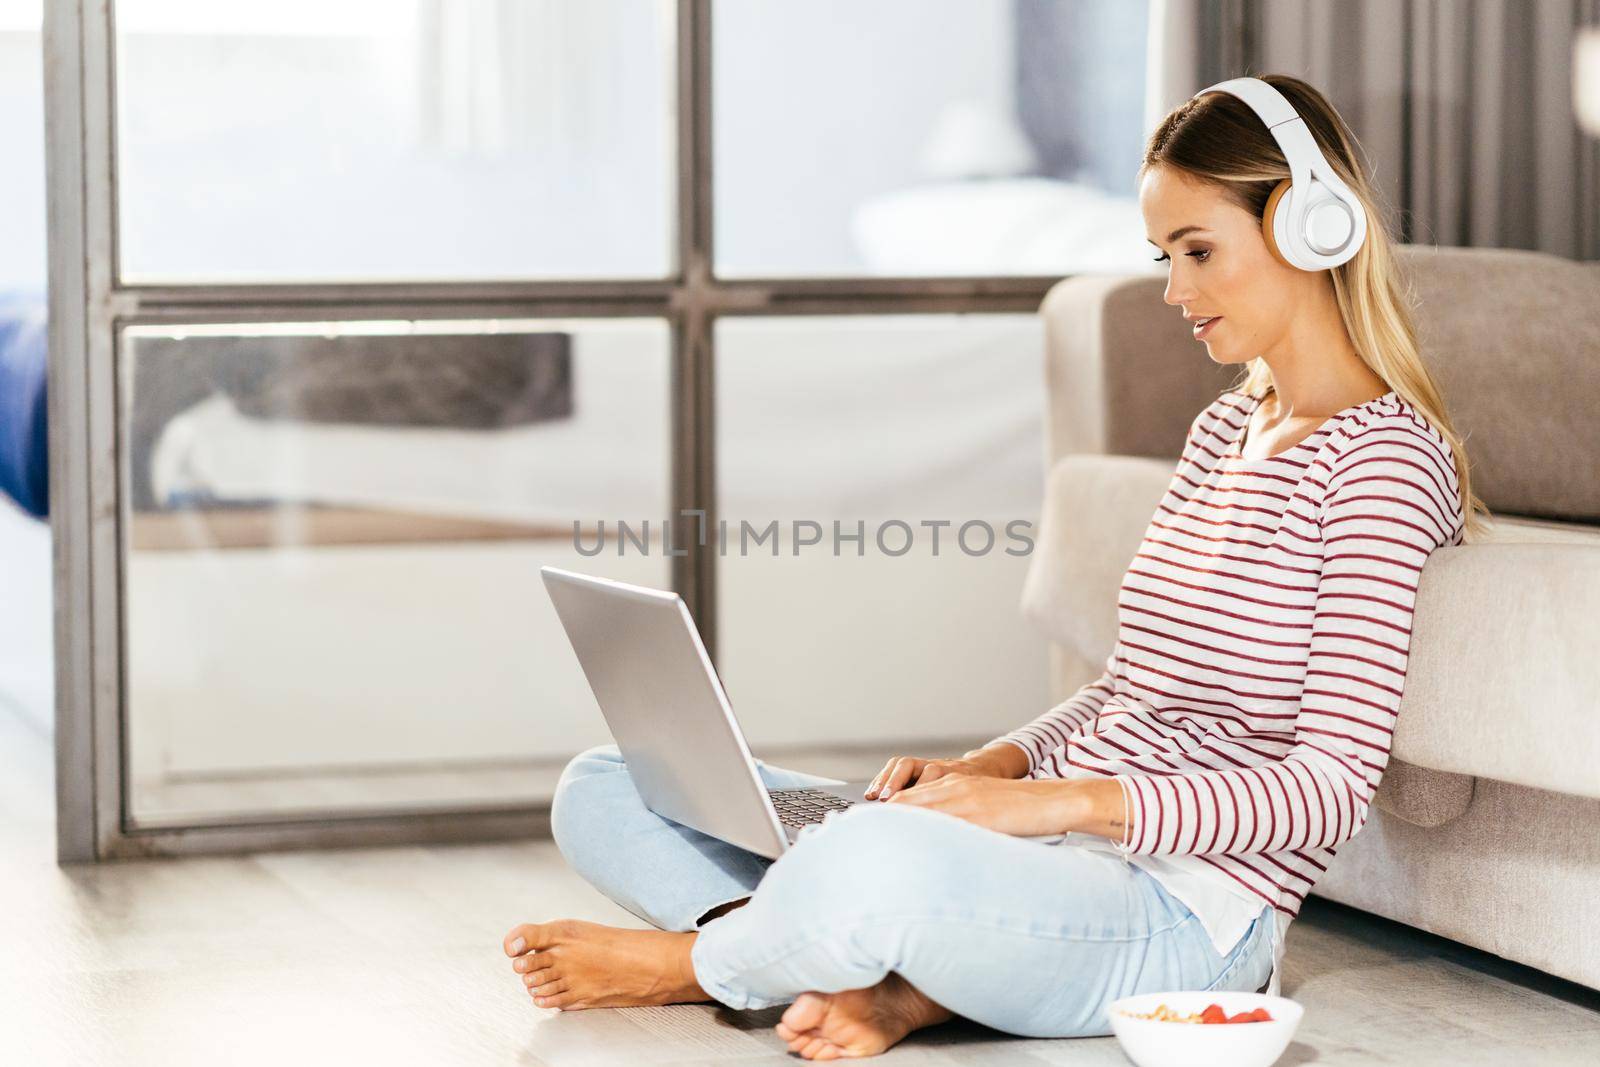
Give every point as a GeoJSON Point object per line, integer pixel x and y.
{"type": "Point", "coordinates": [1202, 330]}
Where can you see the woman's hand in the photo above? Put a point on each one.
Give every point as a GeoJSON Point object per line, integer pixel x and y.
{"type": "Point", "coordinates": [1027, 807]}
{"type": "Point", "coordinates": [903, 771]}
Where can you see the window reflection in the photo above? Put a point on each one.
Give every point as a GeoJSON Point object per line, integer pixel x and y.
{"type": "Point", "coordinates": [356, 140]}
{"type": "Point", "coordinates": [934, 137]}
{"type": "Point", "coordinates": [333, 539]}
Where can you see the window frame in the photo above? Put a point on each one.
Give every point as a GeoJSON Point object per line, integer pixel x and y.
{"type": "Point", "coordinates": [90, 306]}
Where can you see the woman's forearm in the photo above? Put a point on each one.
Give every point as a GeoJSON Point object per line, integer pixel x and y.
{"type": "Point", "coordinates": [1083, 805]}
{"type": "Point", "coordinates": [1093, 806]}
{"type": "Point", "coordinates": [1033, 807]}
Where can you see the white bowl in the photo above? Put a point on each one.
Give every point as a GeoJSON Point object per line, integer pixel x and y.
{"type": "Point", "coordinates": [1151, 1043]}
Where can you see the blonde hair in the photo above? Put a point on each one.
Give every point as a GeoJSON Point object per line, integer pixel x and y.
{"type": "Point", "coordinates": [1218, 139]}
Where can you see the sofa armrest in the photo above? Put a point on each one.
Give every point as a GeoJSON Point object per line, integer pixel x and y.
{"type": "Point", "coordinates": [1096, 510]}
{"type": "Point", "coordinates": [1122, 378]}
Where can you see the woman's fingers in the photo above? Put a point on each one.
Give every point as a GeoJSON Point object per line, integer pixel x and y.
{"type": "Point", "coordinates": [894, 776]}
{"type": "Point", "coordinates": [912, 774]}
{"type": "Point", "coordinates": [883, 776]}
{"type": "Point", "coordinates": [899, 775]}
{"type": "Point", "coordinates": [903, 771]}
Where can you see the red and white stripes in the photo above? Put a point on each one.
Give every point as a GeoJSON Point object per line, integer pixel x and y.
{"type": "Point", "coordinates": [1250, 702]}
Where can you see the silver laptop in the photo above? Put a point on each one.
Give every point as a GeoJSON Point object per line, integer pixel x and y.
{"type": "Point", "coordinates": [667, 710]}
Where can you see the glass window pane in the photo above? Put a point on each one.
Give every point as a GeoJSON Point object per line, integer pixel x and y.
{"type": "Point", "coordinates": [358, 140]}
{"type": "Point", "coordinates": [928, 137]}
{"type": "Point", "coordinates": [912, 632]}
{"type": "Point", "coordinates": [333, 536]}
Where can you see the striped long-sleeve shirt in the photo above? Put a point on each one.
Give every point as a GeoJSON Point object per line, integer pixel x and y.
{"type": "Point", "coordinates": [1263, 629]}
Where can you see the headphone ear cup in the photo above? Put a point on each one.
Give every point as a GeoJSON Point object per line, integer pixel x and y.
{"type": "Point", "coordinates": [1267, 221]}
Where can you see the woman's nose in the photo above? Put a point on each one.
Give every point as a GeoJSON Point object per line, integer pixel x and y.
{"type": "Point", "coordinates": [1177, 292]}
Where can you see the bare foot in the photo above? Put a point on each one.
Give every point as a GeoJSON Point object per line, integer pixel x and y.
{"type": "Point", "coordinates": [858, 1022]}
{"type": "Point", "coordinates": [571, 964]}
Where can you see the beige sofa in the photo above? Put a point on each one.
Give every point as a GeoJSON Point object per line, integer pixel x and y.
{"type": "Point", "coordinates": [1487, 828]}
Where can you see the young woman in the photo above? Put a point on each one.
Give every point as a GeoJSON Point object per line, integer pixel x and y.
{"type": "Point", "coordinates": [1205, 780]}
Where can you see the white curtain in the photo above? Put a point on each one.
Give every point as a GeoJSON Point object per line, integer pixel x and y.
{"type": "Point", "coordinates": [502, 76]}
{"type": "Point", "coordinates": [1463, 107]}
{"type": "Point", "coordinates": [1179, 60]}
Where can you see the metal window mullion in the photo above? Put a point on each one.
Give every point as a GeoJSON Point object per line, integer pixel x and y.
{"type": "Point", "coordinates": [104, 421]}
{"type": "Point", "coordinates": [70, 513]}
{"type": "Point", "coordinates": [694, 309]}
{"type": "Point", "coordinates": [778, 296]}
{"type": "Point", "coordinates": [731, 293]}
{"type": "Point", "coordinates": [83, 453]}
{"type": "Point", "coordinates": [398, 294]}
{"type": "Point", "coordinates": [180, 314]}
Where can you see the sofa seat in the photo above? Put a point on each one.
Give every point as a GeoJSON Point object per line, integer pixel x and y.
{"type": "Point", "coordinates": [1498, 686]}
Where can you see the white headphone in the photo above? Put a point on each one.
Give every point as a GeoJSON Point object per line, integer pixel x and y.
{"type": "Point", "coordinates": [1312, 221]}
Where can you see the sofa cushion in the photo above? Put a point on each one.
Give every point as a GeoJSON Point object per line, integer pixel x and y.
{"type": "Point", "coordinates": [1503, 680]}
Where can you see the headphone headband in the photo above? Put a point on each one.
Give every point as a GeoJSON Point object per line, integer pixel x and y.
{"type": "Point", "coordinates": [1313, 221]}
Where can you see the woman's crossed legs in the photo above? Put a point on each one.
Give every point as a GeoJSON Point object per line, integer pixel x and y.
{"type": "Point", "coordinates": [880, 919]}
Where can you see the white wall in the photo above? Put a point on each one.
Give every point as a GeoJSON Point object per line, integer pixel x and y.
{"type": "Point", "coordinates": [22, 204]}
{"type": "Point", "coordinates": [821, 105]}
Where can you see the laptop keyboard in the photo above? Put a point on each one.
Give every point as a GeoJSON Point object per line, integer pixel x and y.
{"type": "Point", "coordinates": [802, 807]}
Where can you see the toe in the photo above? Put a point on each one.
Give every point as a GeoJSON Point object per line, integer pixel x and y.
{"type": "Point", "coordinates": [543, 976]}
{"type": "Point", "coordinates": [550, 989]}
{"type": "Point", "coordinates": [815, 1049]}
{"type": "Point", "coordinates": [806, 1013]}
{"type": "Point", "coordinates": [563, 1000]}
{"type": "Point", "coordinates": [528, 935]}
{"type": "Point", "coordinates": [533, 961]}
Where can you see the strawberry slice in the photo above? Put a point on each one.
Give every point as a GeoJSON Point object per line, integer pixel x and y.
{"type": "Point", "coordinates": [1214, 1014]}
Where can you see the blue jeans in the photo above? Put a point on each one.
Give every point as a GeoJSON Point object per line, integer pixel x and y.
{"type": "Point", "coordinates": [1027, 938]}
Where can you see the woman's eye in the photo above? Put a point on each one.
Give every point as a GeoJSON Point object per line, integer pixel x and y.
{"type": "Point", "coordinates": [1200, 256]}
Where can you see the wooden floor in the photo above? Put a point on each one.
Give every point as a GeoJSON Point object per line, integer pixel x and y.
{"type": "Point", "coordinates": [392, 956]}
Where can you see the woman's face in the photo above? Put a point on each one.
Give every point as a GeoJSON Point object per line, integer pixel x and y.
{"type": "Point", "coordinates": [1218, 265]}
